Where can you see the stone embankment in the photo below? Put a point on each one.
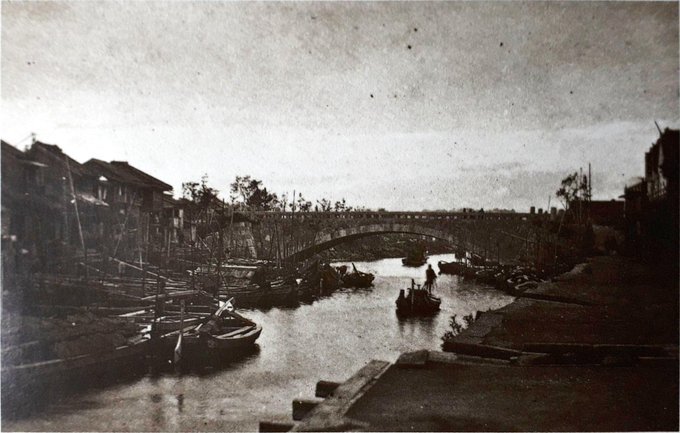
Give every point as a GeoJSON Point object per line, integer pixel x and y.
{"type": "Point", "coordinates": [604, 357]}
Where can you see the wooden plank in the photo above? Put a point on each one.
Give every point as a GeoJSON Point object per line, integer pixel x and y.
{"type": "Point", "coordinates": [329, 415]}
{"type": "Point", "coordinates": [139, 269]}
{"type": "Point", "coordinates": [480, 350]}
{"type": "Point", "coordinates": [325, 388]}
{"type": "Point", "coordinates": [301, 408]}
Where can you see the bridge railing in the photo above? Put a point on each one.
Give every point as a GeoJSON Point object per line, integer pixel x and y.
{"type": "Point", "coordinates": [395, 215]}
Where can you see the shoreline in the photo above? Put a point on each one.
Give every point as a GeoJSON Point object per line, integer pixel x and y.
{"type": "Point", "coordinates": [613, 333]}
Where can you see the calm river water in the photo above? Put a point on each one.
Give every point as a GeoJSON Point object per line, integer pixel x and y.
{"type": "Point", "coordinates": [329, 339]}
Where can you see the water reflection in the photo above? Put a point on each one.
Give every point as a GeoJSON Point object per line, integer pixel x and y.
{"type": "Point", "coordinates": [180, 402]}
{"type": "Point", "coordinates": [415, 327]}
{"type": "Point", "coordinates": [328, 339]}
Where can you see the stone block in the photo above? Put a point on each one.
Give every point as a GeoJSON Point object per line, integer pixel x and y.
{"type": "Point", "coordinates": [302, 407]}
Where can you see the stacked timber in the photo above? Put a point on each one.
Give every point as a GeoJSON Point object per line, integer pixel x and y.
{"type": "Point", "coordinates": [111, 291]}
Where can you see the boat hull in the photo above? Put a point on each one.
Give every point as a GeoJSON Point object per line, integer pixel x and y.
{"type": "Point", "coordinates": [417, 303]}
{"type": "Point", "coordinates": [354, 280]}
{"type": "Point", "coordinates": [218, 344]}
{"type": "Point", "coordinates": [203, 345]}
{"type": "Point", "coordinates": [452, 268]}
{"type": "Point", "coordinates": [414, 263]}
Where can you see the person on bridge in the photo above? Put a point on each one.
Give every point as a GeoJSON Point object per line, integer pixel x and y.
{"type": "Point", "coordinates": [430, 277]}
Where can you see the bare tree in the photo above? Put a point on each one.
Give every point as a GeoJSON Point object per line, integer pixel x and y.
{"type": "Point", "coordinates": [573, 191]}
{"type": "Point", "coordinates": [324, 205]}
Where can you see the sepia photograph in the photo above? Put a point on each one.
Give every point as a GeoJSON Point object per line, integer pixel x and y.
{"type": "Point", "coordinates": [273, 216]}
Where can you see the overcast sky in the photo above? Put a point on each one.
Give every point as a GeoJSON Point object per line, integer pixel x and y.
{"type": "Point", "coordinates": [397, 105]}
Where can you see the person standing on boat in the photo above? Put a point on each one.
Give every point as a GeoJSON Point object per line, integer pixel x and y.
{"type": "Point", "coordinates": [430, 276]}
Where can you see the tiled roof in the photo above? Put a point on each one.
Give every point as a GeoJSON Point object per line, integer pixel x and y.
{"type": "Point", "coordinates": [57, 156]}
{"type": "Point", "coordinates": [99, 168]}
{"type": "Point", "coordinates": [12, 151]}
{"type": "Point", "coordinates": [149, 180]}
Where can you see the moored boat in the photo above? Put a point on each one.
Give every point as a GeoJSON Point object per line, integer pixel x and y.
{"type": "Point", "coordinates": [223, 332]}
{"type": "Point", "coordinates": [486, 276]}
{"type": "Point", "coordinates": [477, 260]}
{"type": "Point", "coordinates": [172, 323]}
{"type": "Point", "coordinates": [453, 268]}
{"type": "Point", "coordinates": [415, 258]}
{"type": "Point", "coordinates": [357, 278]}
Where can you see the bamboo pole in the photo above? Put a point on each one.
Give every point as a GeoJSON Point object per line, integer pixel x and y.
{"type": "Point", "coordinates": [75, 207]}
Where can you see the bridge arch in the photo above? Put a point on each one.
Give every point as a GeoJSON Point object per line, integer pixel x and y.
{"type": "Point", "coordinates": [330, 238]}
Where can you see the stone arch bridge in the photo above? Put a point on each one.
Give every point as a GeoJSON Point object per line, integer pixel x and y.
{"type": "Point", "coordinates": [297, 236]}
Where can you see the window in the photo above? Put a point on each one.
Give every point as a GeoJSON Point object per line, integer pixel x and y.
{"type": "Point", "coordinates": [102, 191]}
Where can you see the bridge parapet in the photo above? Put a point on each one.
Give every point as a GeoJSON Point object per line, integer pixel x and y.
{"type": "Point", "coordinates": [296, 235]}
{"type": "Point", "coordinates": [396, 215]}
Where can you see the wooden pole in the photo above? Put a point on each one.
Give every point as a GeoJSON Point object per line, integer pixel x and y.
{"type": "Point", "coordinates": [75, 207]}
{"type": "Point", "coordinates": [231, 225]}
{"type": "Point", "coordinates": [141, 266]}
{"type": "Point", "coordinates": [193, 260]}
{"type": "Point", "coordinates": [590, 184]}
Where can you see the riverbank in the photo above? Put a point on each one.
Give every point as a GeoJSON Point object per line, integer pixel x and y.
{"type": "Point", "coordinates": [607, 361]}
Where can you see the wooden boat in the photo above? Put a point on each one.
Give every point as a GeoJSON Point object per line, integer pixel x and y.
{"type": "Point", "coordinates": [357, 278]}
{"type": "Point", "coordinates": [413, 262]}
{"type": "Point", "coordinates": [166, 324]}
{"type": "Point", "coordinates": [487, 276]}
{"type": "Point", "coordinates": [223, 331]}
{"type": "Point", "coordinates": [453, 268]}
{"type": "Point", "coordinates": [415, 258]}
{"type": "Point", "coordinates": [267, 294]}
{"type": "Point", "coordinates": [477, 260]}
{"type": "Point", "coordinates": [230, 331]}
{"type": "Point", "coordinates": [471, 271]}
{"type": "Point", "coordinates": [418, 301]}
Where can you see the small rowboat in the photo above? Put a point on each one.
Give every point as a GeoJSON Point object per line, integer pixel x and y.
{"type": "Point", "coordinates": [241, 337]}
{"type": "Point", "coordinates": [222, 332]}
{"type": "Point", "coordinates": [357, 278]}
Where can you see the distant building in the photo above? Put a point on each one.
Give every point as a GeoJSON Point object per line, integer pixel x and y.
{"type": "Point", "coordinates": [25, 231]}
{"type": "Point", "coordinates": [53, 206]}
{"type": "Point", "coordinates": [68, 186]}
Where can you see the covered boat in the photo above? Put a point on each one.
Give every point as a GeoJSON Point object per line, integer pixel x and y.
{"type": "Point", "coordinates": [418, 301]}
